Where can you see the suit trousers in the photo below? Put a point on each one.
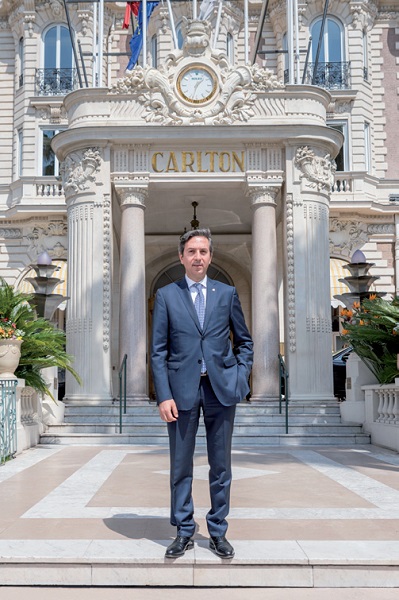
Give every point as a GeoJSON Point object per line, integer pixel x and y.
{"type": "Point", "coordinates": [219, 424]}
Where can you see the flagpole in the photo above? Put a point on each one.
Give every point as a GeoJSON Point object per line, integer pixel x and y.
{"type": "Point", "coordinates": [144, 33]}
{"type": "Point", "coordinates": [246, 53]}
{"type": "Point", "coordinates": [172, 22]}
{"type": "Point", "coordinates": [296, 28]}
{"type": "Point", "coordinates": [217, 28]}
{"type": "Point", "coordinates": [94, 64]}
{"type": "Point", "coordinates": [194, 9]}
{"type": "Point", "coordinates": [100, 42]}
{"type": "Point", "coordinates": [290, 41]}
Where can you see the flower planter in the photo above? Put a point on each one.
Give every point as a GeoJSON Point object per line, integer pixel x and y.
{"type": "Point", "coordinates": [10, 353]}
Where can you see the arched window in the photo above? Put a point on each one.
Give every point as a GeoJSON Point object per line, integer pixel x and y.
{"type": "Point", "coordinates": [230, 48]}
{"type": "Point", "coordinates": [57, 75]}
{"type": "Point", "coordinates": [332, 70]}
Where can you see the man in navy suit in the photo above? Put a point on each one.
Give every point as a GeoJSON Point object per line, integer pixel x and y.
{"type": "Point", "coordinates": [197, 365]}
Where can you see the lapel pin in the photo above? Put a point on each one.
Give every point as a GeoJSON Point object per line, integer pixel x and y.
{"type": "Point", "coordinates": [213, 290]}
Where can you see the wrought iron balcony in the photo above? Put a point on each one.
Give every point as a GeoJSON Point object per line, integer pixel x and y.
{"type": "Point", "coordinates": [329, 75]}
{"type": "Point", "coordinates": [55, 82]}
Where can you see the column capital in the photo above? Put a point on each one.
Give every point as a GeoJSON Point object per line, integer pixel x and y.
{"type": "Point", "coordinates": [132, 196]}
{"type": "Point", "coordinates": [265, 195]}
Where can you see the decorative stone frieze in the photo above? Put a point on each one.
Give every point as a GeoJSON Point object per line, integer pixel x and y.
{"type": "Point", "coordinates": [346, 236]}
{"type": "Point", "coordinates": [10, 234]}
{"type": "Point", "coordinates": [79, 170]}
{"type": "Point", "coordinates": [107, 261]}
{"type": "Point", "coordinates": [317, 171]}
{"type": "Point", "coordinates": [382, 228]}
{"type": "Point", "coordinates": [289, 235]}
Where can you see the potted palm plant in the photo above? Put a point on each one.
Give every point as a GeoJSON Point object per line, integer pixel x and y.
{"type": "Point", "coordinates": [41, 343]}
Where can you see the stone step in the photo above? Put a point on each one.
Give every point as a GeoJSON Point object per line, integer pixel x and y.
{"type": "Point", "coordinates": [243, 419]}
{"type": "Point", "coordinates": [259, 429]}
{"type": "Point", "coordinates": [276, 439]}
{"type": "Point", "coordinates": [301, 564]}
{"type": "Point", "coordinates": [245, 407]}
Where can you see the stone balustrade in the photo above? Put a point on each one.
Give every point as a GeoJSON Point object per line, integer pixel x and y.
{"type": "Point", "coordinates": [382, 414]}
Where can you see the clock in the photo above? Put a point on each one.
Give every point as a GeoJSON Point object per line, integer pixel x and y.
{"type": "Point", "coordinates": [197, 84]}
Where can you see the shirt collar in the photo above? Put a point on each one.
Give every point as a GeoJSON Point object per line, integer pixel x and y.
{"type": "Point", "coordinates": [190, 282]}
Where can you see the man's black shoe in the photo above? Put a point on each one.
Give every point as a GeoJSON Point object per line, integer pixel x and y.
{"type": "Point", "coordinates": [178, 547]}
{"type": "Point", "coordinates": [221, 546]}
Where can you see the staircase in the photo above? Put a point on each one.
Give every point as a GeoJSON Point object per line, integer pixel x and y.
{"type": "Point", "coordinates": [256, 424]}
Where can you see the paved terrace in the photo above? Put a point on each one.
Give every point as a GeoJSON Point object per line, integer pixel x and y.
{"type": "Point", "coordinates": [301, 517]}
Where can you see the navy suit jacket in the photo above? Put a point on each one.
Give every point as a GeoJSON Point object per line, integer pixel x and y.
{"type": "Point", "coordinates": [178, 344]}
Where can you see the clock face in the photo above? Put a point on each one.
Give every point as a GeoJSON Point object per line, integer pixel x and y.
{"type": "Point", "coordinates": [197, 84]}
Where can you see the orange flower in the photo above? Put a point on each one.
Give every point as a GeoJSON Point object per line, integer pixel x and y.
{"type": "Point", "coordinates": [356, 305]}
{"type": "Point", "coordinates": [344, 331]}
{"type": "Point", "coordinates": [361, 322]}
{"type": "Point", "coordinates": [372, 296]}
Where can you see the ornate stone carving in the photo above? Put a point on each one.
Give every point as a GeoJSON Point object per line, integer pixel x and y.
{"type": "Point", "coordinates": [319, 171]}
{"type": "Point", "coordinates": [363, 13]}
{"type": "Point", "coordinates": [78, 170]}
{"type": "Point", "coordinates": [346, 236]}
{"type": "Point", "coordinates": [56, 9]}
{"type": "Point", "coordinates": [290, 272]}
{"type": "Point", "coordinates": [106, 271]}
{"type": "Point", "coordinates": [155, 88]}
{"type": "Point", "coordinates": [50, 237]}
{"type": "Point", "coordinates": [84, 17]}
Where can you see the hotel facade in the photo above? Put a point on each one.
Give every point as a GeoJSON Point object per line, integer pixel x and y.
{"type": "Point", "coordinates": [283, 139]}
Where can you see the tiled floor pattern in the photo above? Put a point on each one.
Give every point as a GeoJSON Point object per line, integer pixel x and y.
{"type": "Point", "coordinates": [290, 506]}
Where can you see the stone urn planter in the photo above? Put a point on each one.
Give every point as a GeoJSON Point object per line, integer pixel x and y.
{"type": "Point", "coordinates": [10, 353]}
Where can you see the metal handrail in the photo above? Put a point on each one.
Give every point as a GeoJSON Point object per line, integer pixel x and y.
{"type": "Point", "coordinates": [8, 419]}
{"type": "Point", "coordinates": [283, 377]}
{"type": "Point", "coordinates": [122, 390]}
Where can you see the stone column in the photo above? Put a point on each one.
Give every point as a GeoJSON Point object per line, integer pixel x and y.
{"type": "Point", "coordinates": [308, 342]}
{"type": "Point", "coordinates": [265, 318]}
{"type": "Point", "coordinates": [133, 309]}
{"type": "Point", "coordinates": [89, 273]}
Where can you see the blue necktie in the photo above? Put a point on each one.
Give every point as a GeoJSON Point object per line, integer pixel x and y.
{"type": "Point", "coordinates": [199, 304]}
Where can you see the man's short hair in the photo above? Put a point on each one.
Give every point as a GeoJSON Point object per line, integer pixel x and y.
{"type": "Point", "coordinates": [205, 232]}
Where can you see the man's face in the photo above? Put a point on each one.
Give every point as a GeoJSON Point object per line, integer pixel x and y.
{"type": "Point", "coordinates": [196, 257]}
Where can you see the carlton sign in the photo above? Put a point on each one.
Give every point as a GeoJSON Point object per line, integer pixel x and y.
{"type": "Point", "coordinates": [200, 161]}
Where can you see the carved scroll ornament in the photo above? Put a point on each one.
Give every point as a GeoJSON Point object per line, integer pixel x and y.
{"type": "Point", "coordinates": [78, 170]}
{"type": "Point", "coordinates": [319, 171]}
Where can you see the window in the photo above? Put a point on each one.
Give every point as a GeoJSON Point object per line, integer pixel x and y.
{"type": "Point", "coordinates": [57, 75]}
{"type": "Point", "coordinates": [342, 158]}
{"type": "Point", "coordinates": [332, 71]}
{"type": "Point", "coordinates": [20, 140]}
{"type": "Point", "coordinates": [230, 48]}
{"type": "Point", "coordinates": [367, 147]}
{"type": "Point", "coordinates": [21, 61]}
{"type": "Point", "coordinates": [365, 57]}
{"type": "Point", "coordinates": [154, 51]}
{"type": "Point", "coordinates": [50, 165]}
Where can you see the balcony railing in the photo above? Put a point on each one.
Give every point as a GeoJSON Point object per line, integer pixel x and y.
{"type": "Point", "coordinates": [329, 75]}
{"type": "Point", "coordinates": [55, 82]}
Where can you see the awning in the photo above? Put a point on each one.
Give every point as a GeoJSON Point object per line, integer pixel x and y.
{"type": "Point", "coordinates": [27, 288]}
{"type": "Point", "coordinates": [337, 272]}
